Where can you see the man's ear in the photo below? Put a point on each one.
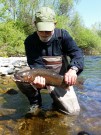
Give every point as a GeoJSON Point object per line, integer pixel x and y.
{"type": "Point", "coordinates": [55, 23]}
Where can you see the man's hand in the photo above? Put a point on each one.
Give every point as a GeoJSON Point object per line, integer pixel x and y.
{"type": "Point", "coordinates": [70, 77]}
{"type": "Point", "coordinates": [39, 82]}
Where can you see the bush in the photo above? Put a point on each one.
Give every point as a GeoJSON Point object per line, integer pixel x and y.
{"type": "Point", "coordinates": [63, 23]}
{"type": "Point", "coordinates": [11, 39]}
{"type": "Point", "coordinates": [88, 40]}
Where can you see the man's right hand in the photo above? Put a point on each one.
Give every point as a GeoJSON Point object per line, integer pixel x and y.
{"type": "Point", "coordinates": [39, 82]}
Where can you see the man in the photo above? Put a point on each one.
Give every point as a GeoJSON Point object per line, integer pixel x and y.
{"type": "Point", "coordinates": [49, 47]}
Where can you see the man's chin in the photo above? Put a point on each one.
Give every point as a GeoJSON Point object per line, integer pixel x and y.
{"type": "Point", "coordinates": [45, 39]}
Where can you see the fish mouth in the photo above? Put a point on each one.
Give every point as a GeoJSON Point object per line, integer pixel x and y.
{"type": "Point", "coordinates": [18, 79]}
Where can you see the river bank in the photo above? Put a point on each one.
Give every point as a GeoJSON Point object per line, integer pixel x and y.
{"type": "Point", "coordinates": [11, 64]}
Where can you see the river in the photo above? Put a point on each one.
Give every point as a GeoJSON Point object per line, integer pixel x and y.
{"type": "Point", "coordinates": [13, 106]}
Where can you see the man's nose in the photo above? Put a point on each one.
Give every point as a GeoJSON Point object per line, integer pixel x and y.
{"type": "Point", "coordinates": [45, 33]}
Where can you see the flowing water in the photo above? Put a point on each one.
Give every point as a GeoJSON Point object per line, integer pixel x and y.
{"type": "Point", "coordinates": [13, 107]}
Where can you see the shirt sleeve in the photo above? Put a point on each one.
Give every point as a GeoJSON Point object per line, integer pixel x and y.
{"type": "Point", "coordinates": [71, 49]}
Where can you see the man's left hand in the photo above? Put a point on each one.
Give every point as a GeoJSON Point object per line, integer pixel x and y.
{"type": "Point", "coordinates": [70, 77]}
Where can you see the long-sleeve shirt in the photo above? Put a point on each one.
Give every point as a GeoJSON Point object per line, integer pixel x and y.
{"type": "Point", "coordinates": [35, 49]}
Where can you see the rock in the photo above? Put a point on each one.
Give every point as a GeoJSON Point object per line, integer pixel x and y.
{"type": "Point", "coordinates": [3, 71]}
{"type": "Point", "coordinates": [12, 64]}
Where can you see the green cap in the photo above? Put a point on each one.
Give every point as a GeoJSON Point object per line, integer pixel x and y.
{"type": "Point", "coordinates": [45, 19]}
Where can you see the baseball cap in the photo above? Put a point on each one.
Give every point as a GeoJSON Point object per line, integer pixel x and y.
{"type": "Point", "coordinates": [45, 19]}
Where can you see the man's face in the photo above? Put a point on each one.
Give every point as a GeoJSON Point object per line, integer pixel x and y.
{"type": "Point", "coordinates": [45, 36]}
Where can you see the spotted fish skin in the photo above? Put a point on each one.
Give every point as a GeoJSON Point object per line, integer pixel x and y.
{"type": "Point", "coordinates": [51, 77]}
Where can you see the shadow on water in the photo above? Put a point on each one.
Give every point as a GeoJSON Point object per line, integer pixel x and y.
{"type": "Point", "coordinates": [14, 105]}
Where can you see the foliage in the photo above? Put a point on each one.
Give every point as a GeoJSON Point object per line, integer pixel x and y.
{"type": "Point", "coordinates": [17, 21]}
{"type": "Point", "coordinates": [11, 39]}
{"type": "Point", "coordinates": [88, 40]}
{"type": "Point", "coordinates": [97, 28]}
{"type": "Point", "coordinates": [27, 26]}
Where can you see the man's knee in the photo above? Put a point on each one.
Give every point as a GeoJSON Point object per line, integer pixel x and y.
{"type": "Point", "coordinates": [72, 110]}
{"type": "Point", "coordinates": [66, 100]}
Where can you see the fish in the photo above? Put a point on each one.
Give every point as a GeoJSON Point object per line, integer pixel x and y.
{"type": "Point", "coordinates": [52, 78]}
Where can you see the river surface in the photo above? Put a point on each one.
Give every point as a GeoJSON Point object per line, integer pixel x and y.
{"type": "Point", "coordinates": [14, 105]}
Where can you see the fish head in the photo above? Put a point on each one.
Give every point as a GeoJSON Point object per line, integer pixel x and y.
{"type": "Point", "coordinates": [24, 76]}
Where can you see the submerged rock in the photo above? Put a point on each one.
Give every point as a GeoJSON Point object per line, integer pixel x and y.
{"type": "Point", "coordinates": [12, 92]}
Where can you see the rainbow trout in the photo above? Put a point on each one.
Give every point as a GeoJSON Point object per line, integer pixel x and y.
{"type": "Point", "coordinates": [52, 78]}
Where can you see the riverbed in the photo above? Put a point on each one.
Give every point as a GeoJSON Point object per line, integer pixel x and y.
{"type": "Point", "coordinates": [14, 105]}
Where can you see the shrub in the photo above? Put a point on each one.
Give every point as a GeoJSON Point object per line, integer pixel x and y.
{"type": "Point", "coordinates": [88, 40]}
{"type": "Point", "coordinates": [11, 39]}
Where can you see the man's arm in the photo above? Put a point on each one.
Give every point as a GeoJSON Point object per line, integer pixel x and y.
{"type": "Point", "coordinates": [76, 59]}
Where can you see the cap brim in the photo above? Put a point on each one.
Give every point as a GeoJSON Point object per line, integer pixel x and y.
{"type": "Point", "coordinates": [45, 26]}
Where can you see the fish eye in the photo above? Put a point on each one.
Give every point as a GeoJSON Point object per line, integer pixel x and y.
{"type": "Point", "coordinates": [29, 76]}
{"type": "Point", "coordinates": [23, 74]}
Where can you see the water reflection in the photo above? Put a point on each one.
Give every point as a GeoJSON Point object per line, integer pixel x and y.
{"type": "Point", "coordinates": [90, 96]}
{"type": "Point", "coordinates": [92, 67]}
